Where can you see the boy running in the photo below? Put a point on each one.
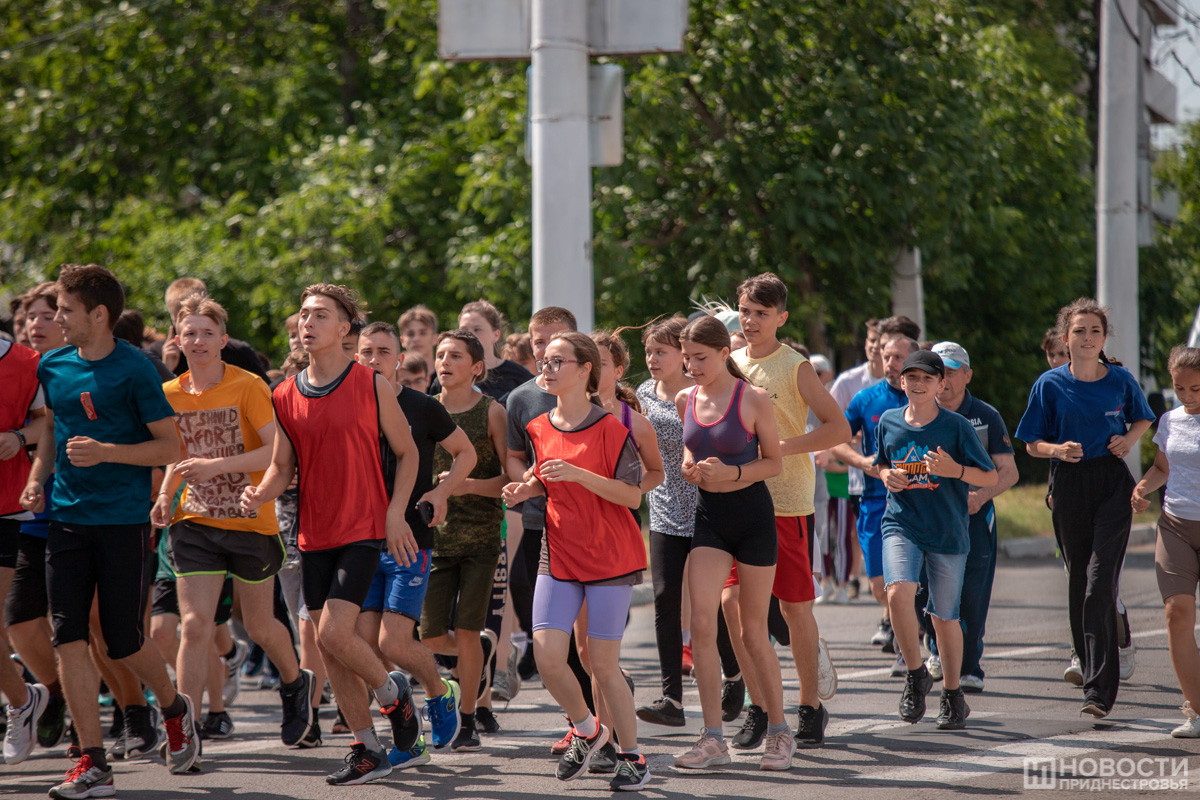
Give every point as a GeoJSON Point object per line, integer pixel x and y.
{"type": "Point", "coordinates": [397, 593]}
{"type": "Point", "coordinates": [333, 415]}
{"type": "Point", "coordinates": [108, 425]}
{"type": "Point", "coordinates": [927, 458]}
{"type": "Point", "coordinates": [224, 417]}
{"type": "Point", "coordinates": [794, 387]}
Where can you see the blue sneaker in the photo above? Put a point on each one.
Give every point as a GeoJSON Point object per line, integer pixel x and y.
{"type": "Point", "coordinates": [442, 713]}
{"type": "Point", "coordinates": [403, 759]}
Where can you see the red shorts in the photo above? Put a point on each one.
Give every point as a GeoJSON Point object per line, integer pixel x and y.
{"type": "Point", "coordinates": [793, 567]}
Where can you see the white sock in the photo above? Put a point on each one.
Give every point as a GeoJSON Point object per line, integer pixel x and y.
{"type": "Point", "coordinates": [387, 694]}
{"type": "Point", "coordinates": [588, 727]}
{"type": "Point", "coordinates": [687, 638]}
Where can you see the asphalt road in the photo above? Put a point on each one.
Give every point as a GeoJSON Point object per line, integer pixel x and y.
{"type": "Point", "coordinates": [1026, 712]}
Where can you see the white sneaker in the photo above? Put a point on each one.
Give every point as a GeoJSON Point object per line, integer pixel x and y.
{"type": "Point", "coordinates": [233, 671]}
{"type": "Point", "coordinates": [21, 735]}
{"type": "Point", "coordinates": [840, 598]}
{"type": "Point", "coordinates": [827, 680]}
{"type": "Point", "coordinates": [1190, 729]}
{"type": "Point", "coordinates": [1074, 673]}
{"type": "Point", "coordinates": [1128, 659]}
{"type": "Point", "coordinates": [899, 669]}
{"type": "Point", "coordinates": [970, 684]}
{"type": "Point", "coordinates": [826, 593]}
{"type": "Point", "coordinates": [934, 665]}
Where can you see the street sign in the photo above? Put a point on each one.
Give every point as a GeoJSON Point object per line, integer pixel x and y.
{"type": "Point", "coordinates": [606, 116]}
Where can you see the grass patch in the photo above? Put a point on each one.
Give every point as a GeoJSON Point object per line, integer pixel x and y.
{"type": "Point", "coordinates": [1021, 512]}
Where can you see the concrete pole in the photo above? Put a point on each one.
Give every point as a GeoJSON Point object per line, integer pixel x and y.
{"type": "Point", "coordinates": [1116, 184]}
{"type": "Point", "coordinates": [562, 177]}
{"type": "Point", "coordinates": [908, 293]}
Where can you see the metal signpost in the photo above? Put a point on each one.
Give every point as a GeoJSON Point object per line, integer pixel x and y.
{"type": "Point", "coordinates": [574, 114]}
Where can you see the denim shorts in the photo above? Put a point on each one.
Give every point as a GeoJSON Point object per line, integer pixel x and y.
{"type": "Point", "coordinates": [902, 563]}
{"type": "Point", "coordinates": [400, 589]}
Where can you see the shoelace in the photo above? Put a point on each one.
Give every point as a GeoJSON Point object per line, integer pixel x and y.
{"type": "Point", "coordinates": [176, 738]}
{"type": "Point", "coordinates": [1188, 711]}
{"type": "Point", "coordinates": [356, 750]}
{"type": "Point", "coordinates": [81, 766]}
{"type": "Point", "coordinates": [774, 746]}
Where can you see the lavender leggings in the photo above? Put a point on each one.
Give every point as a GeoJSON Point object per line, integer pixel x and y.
{"type": "Point", "coordinates": [556, 604]}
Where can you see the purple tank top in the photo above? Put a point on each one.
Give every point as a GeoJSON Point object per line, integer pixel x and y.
{"type": "Point", "coordinates": [726, 439]}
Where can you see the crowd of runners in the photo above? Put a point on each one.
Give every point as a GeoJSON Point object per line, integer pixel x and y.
{"type": "Point", "coordinates": [400, 509]}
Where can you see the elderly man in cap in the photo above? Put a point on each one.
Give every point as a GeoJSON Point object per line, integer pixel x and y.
{"type": "Point", "coordinates": [981, 561]}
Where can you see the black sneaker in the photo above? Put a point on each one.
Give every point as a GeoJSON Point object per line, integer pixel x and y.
{"type": "Point", "coordinates": [733, 698]}
{"type": "Point", "coordinates": [754, 728]}
{"type": "Point", "coordinates": [632, 773]}
{"type": "Point", "coordinates": [811, 730]}
{"type": "Point", "coordinates": [912, 700]}
{"type": "Point", "coordinates": [297, 709]}
{"type": "Point", "coordinates": [467, 740]}
{"type": "Point", "coordinates": [52, 726]}
{"type": "Point", "coordinates": [953, 712]}
{"type": "Point", "coordinates": [488, 640]}
{"type": "Point", "coordinates": [663, 711]}
{"type": "Point", "coordinates": [216, 725]}
{"type": "Point", "coordinates": [604, 761]}
{"type": "Point", "coordinates": [485, 721]}
{"type": "Point", "coordinates": [117, 728]}
{"type": "Point", "coordinates": [403, 716]}
{"type": "Point", "coordinates": [312, 737]}
{"type": "Point", "coordinates": [579, 755]}
{"type": "Point", "coordinates": [361, 766]}
{"type": "Point", "coordinates": [74, 751]}
{"type": "Point", "coordinates": [889, 646]}
{"type": "Point", "coordinates": [143, 733]}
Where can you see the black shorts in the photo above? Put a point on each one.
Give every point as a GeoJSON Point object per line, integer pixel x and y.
{"type": "Point", "coordinates": [10, 536]}
{"type": "Point", "coordinates": [166, 600]}
{"type": "Point", "coordinates": [342, 573]}
{"type": "Point", "coordinates": [742, 523]}
{"type": "Point", "coordinates": [249, 556]}
{"type": "Point", "coordinates": [110, 561]}
{"type": "Point", "coordinates": [27, 596]}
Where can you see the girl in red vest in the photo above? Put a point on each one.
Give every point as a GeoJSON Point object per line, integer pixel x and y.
{"type": "Point", "coordinates": [588, 468]}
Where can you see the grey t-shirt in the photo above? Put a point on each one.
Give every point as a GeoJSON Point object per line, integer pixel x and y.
{"type": "Point", "coordinates": [524, 404]}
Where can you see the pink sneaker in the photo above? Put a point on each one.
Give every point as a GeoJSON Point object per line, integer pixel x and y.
{"type": "Point", "coordinates": [777, 754]}
{"type": "Point", "coordinates": [705, 753]}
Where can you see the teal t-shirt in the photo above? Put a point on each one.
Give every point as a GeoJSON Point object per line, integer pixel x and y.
{"type": "Point", "coordinates": [932, 511]}
{"type": "Point", "coordinates": [111, 400]}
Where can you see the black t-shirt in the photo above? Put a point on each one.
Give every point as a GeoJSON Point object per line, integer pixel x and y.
{"type": "Point", "coordinates": [524, 404]}
{"type": "Point", "coordinates": [507, 376]}
{"type": "Point", "coordinates": [429, 422]}
{"type": "Point", "coordinates": [236, 352]}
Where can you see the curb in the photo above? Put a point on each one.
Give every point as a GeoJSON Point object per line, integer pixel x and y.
{"type": "Point", "coordinates": [1045, 546]}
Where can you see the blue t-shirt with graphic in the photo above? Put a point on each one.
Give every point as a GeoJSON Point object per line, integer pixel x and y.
{"type": "Point", "coordinates": [111, 400]}
{"type": "Point", "coordinates": [1063, 408]}
{"type": "Point", "coordinates": [863, 414]}
{"type": "Point", "coordinates": [932, 511]}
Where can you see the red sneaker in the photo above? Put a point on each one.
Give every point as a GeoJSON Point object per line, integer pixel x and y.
{"type": "Point", "coordinates": [687, 659]}
{"type": "Point", "coordinates": [563, 744]}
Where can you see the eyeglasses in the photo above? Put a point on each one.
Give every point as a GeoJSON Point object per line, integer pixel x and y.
{"type": "Point", "coordinates": [554, 364]}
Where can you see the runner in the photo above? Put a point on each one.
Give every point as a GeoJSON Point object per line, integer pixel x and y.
{"type": "Point", "coordinates": [418, 328]}
{"type": "Point", "coordinates": [108, 424]}
{"type": "Point", "coordinates": [332, 416]}
{"type": "Point", "coordinates": [731, 448]}
{"type": "Point", "coordinates": [927, 456]}
{"type": "Point", "coordinates": [225, 419]}
{"type": "Point", "coordinates": [482, 319]}
{"type": "Point", "coordinates": [863, 415]}
{"type": "Point", "coordinates": [414, 372]}
{"type": "Point", "coordinates": [981, 560]}
{"type": "Point", "coordinates": [587, 466]}
{"type": "Point", "coordinates": [393, 605]}
{"type": "Point", "coordinates": [27, 604]}
{"type": "Point", "coordinates": [467, 545]}
{"type": "Point", "coordinates": [1087, 416]}
{"type": "Point", "coordinates": [672, 507]}
{"type": "Point", "coordinates": [793, 387]}
{"type": "Point", "coordinates": [1177, 553]}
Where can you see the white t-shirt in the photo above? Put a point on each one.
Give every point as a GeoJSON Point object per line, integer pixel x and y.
{"type": "Point", "coordinates": [848, 384]}
{"type": "Point", "coordinates": [1178, 437]}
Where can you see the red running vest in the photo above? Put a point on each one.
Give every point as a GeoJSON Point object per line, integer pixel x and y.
{"type": "Point", "coordinates": [18, 376]}
{"type": "Point", "coordinates": [589, 538]}
{"type": "Point", "coordinates": [336, 439]}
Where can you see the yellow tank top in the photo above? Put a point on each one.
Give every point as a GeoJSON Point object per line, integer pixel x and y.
{"type": "Point", "coordinates": [791, 489]}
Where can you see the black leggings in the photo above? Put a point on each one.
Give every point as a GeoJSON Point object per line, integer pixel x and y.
{"type": "Point", "coordinates": [522, 573]}
{"type": "Point", "coordinates": [1092, 517]}
{"type": "Point", "coordinates": [668, 557]}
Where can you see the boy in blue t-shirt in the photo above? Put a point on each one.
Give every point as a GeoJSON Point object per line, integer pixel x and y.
{"type": "Point", "coordinates": [927, 457]}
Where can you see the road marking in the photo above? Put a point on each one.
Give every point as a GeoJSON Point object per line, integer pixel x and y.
{"type": "Point", "coordinates": [1019, 652]}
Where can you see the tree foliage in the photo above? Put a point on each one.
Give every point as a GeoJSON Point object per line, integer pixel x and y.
{"type": "Point", "coordinates": [264, 145]}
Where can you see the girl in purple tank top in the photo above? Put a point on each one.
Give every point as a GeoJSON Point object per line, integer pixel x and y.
{"type": "Point", "coordinates": [731, 447]}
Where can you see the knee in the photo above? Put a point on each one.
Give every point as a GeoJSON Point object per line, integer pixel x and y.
{"type": "Point", "coordinates": [195, 627]}
{"type": "Point", "coordinates": [1181, 612]}
{"type": "Point", "coordinates": [754, 637]}
{"type": "Point", "coordinates": [704, 624]}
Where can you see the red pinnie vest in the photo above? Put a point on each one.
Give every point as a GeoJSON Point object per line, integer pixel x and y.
{"type": "Point", "coordinates": [18, 376]}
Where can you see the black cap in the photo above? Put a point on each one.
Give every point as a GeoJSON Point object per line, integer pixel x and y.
{"type": "Point", "coordinates": [926, 361]}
